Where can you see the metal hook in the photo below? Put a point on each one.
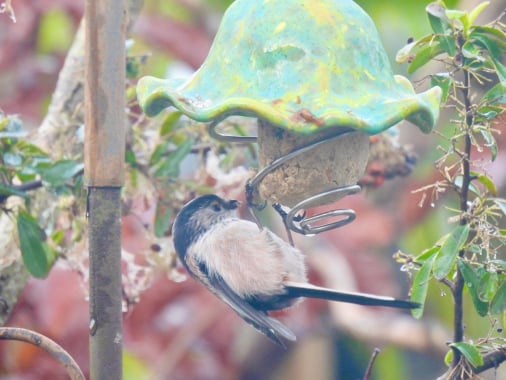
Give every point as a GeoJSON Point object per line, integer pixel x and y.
{"type": "Point", "coordinates": [304, 226]}
{"type": "Point", "coordinates": [292, 221]}
{"type": "Point", "coordinates": [229, 138]}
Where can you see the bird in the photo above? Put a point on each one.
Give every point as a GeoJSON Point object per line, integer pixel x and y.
{"type": "Point", "coordinates": [249, 267]}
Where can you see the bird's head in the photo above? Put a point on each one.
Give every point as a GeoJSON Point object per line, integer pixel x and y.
{"type": "Point", "coordinates": [197, 217]}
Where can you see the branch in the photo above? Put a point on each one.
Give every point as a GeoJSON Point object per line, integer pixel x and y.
{"type": "Point", "coordinates": [43, 342]}
{"type": "Point", "coordinates": [458, 289]}
{"type": "Point", "coordinates": [491, 360]}
{"type": "Point", "coordinates": [32, 185]}
{"type": "Point", "coordinates": [368, 370]}
{"type": "Point", "coordinates": [13, 277]}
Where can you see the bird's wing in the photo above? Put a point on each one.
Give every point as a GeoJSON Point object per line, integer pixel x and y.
{"type": "Point", "coordinates": [296, 289]}
{"type": "Point", "coordinates": [269, 326]}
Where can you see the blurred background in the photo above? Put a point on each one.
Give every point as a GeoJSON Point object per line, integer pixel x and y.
{"type": "Point", "coordinates": [177, 330]}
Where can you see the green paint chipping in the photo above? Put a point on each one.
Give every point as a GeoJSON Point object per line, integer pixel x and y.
{"type": "Point", "coordinates": [298, 64]}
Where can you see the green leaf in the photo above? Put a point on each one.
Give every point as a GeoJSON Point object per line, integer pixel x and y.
{"type": "Point", "coordinates": [12, 159]}
{"type": "Point", "coordinates": [134, 65]}
{"type": "Point", "coordinates": [476, 11]}
{"type": "Point", "coordinates": [493, 34]}
{"type": "Point", "coordinates": [501, 203]}
{"type": "Point", "coordinates": [158, 153]}
{"type": "Point", "coordinates": [454, 14]}
{"type": "Point", "coordinates": [424, 55]}
{"type": "Point", "coordinates": [31, 150]}
{"type": "Point", "coordinates": [11, 127]}
{"type": "Point", "coordinates": [58, 237]}
{"type": "Point", "coordinates": [485, 181]}
{"type": "Point", "coordinates": [427, 254]}
{"type": "Point", "coordinates": [490, 141]}
{"type": "Point", "coordinates": [496, 95]}
{"type": "Point", "coordinates": [473, 55]}
{"type": "Point", "coordinates": [37, 256]}
{"type": "Point", "coordinates": [472, 187]}
{"type": "Point", "coordinates": [448, 357]}
{"type": "Point", "coordinates": [488, 113]}
{"type": "Point", "coordinates": [472, 283]}
{"type": "Point", "coordinates": [494, 41]}
{"type": "Point", "coordinates": [498, 304]}
{"type": "Point", "coordinates": [130, 158]}
{"type": "Point", "coordinates": [55, 31]}
{"type": "Point", "coordinates": [441, 26]}
{"type": "Point", "coordinates": [444, 81]}
{"type": "Point", "coordinates": [406, 54]}
{"type": "Point", "coordinates": [58, 173]}
{"type": "Point", "coordinates": [488, 284]}
{"type": "Point", "coordinates": [169, 166]}
{"type": "Point", "coordinates": [134, 368]}
{"type": "Point", "coordinates": [470, 352]}
{"type": "Point", "coordinates": [446, 257]}
{"type": "Point", "coordinates": [163, 218]}
{"type": "Point", "coordinates": [170, 122]}
{"type": "Point", "coordinates": [461, 17]}
{"type": "Point", "coordinates": [421, 286]}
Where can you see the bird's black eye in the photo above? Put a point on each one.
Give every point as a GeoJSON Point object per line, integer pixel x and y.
{"type": "Point", "coordinates": [216, 206]}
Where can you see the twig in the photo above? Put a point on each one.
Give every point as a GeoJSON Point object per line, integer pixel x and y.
{"type": "Point", "coordinates": [31, 185]}
{"type": "Point", "coordinates": [372, 360]}
{"type": "Point", "coordinates": [48, 345]}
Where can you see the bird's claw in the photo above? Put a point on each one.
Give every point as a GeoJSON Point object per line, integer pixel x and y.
{"type": "Point", "coordinates": [284, 214]}
{"type": "Point", "coordinates": [251, 191]}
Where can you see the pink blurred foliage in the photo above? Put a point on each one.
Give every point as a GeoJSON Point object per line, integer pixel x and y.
{"type": "Point", "coordinates": [154, 29]}
{"type": "Point", "coordinates": [176, 328]}
{"type": "Point", "coordinates": [55, 307]}
{"type": "Point", "coordinates": [28, 78]}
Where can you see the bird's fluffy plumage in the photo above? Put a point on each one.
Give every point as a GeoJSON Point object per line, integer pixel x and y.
{"type": "Point", "coordinates": [249, 268]}
{"type": "Point", "coordinates": [251, 261]}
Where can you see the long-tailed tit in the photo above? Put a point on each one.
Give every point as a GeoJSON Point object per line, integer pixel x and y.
{"type": "Point", "coordinates": [250, 268]}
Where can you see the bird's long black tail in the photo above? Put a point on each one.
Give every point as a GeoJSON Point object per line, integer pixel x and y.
{"type": "Point", "coordinates": [295, 289]}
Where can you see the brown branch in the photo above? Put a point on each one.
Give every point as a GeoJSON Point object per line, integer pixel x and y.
{"type": "Point", "coordinates": [491, 360]}
{"type": "Point", "coordinates": [368, 370]}
{"type": "Point", "coordinates": [13, 277]}
{"type": "Point", "coordinates": [48, 345]}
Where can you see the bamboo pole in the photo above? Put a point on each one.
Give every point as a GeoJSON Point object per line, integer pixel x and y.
{"type": "Point", "coordinates": [104, 175]}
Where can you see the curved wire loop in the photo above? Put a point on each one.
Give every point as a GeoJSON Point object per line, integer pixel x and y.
{"type": "Point", "coordinates": [292, 220]}
{"type": "Point", "coordinates": [305, 225]}
{"type": "Point", "coordinates": [214, 133]}
{"type": "Point", "coordinates": [253, 184]}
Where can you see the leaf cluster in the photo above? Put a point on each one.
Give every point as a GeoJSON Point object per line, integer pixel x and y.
{"type": "Point", "coordinates": [471, 256]}
{"type": "Point", "coordinates": [24, 167]}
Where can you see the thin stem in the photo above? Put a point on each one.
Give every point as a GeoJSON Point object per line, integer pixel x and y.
{"type": "Point", "coordinates": [368, 370]}
{"type": "Point", "coordinates": [458, 319]}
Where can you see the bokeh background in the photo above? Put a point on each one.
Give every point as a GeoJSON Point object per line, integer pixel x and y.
{"type": "Point", "coordinates": [179, 331]}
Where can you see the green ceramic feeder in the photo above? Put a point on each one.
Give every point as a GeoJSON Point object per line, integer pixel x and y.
{"type": "Point", "coordinates": [306, 70]}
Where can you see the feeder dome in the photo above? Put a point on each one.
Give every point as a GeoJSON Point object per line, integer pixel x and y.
{"type": "Point", "coordinates": [303, 65]}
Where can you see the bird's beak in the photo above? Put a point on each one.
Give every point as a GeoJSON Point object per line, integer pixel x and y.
{"type": "Point", "coordinates": [232, 205]}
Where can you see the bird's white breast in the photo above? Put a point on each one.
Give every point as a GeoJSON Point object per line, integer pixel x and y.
{"type": "Point", "coordinates": [250, 260]}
